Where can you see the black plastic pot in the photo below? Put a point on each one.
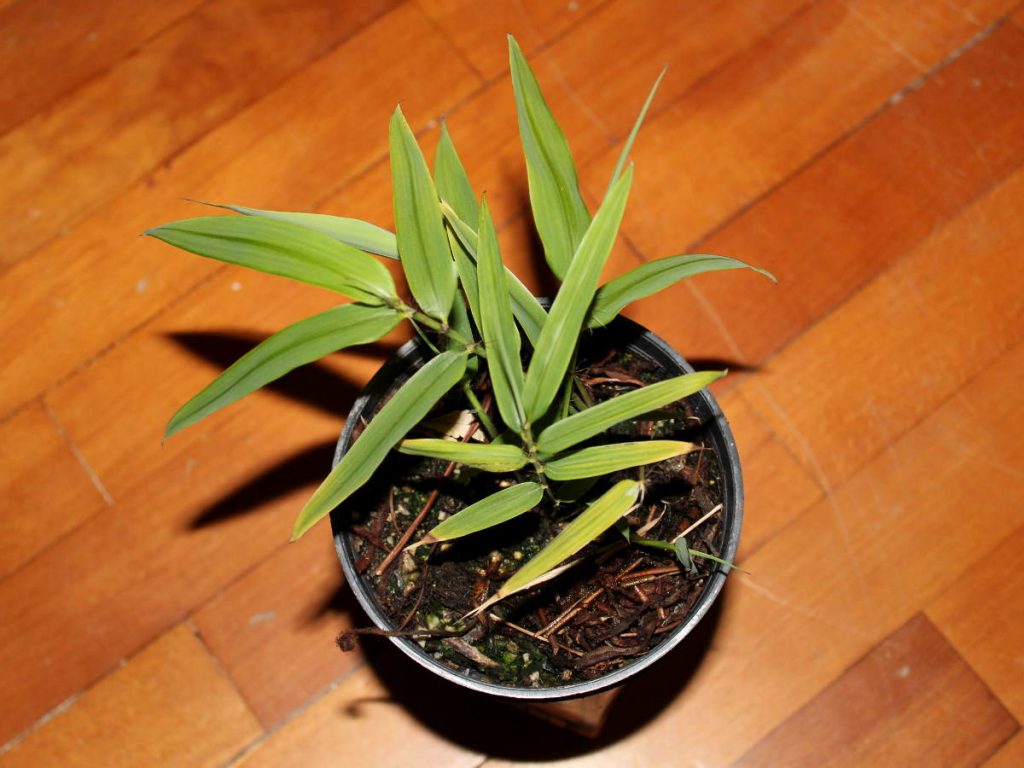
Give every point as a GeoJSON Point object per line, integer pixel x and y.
{"type": "Point", "coordinates": [626, 335]}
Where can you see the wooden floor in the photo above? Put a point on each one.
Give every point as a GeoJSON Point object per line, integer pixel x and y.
{"type": "Point", "coordinates": [870, 153]}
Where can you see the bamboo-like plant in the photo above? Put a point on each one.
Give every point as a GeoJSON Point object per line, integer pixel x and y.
{"type": "Point", "coordinates": [472, 312]}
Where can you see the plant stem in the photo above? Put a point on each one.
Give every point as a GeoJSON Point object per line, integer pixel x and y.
{"type": "Point", "coordinates": [538, 467]}
{"type": "Point", "coordinates": [417, 317]}
{"type": "Point", "coordinates": [423, 336]}
{"type": "Point", "coordinates": [481, 414]}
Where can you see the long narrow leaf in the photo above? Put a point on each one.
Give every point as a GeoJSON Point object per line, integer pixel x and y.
{"type": "Point", "coordinates": [654, 276]}
{"type": "Point", "coordinates": [569, 310]}
{"type": "Point", "coordinates": [558, 209]}
{"type": "Point", "coordinates": [422, 243]}
{"type": "Point", "coordinates": [359, 234]}
{"type": "Point", "coordinates": [298, 344]}
{"type": "Point", "coordinates": [501, 337]}
{"type": "Point", "coordinates": [592, 421]}
{"type": "Point", "coordinates": [497, 508]}
{"type": "Point", "coordinates": [490, 457]}
{"type": "Point", "coordinates": [459, 322]}
{"type": "Point", "coordinates": [285, 249]}
{"type": "Point", "coordinates": [604, 459]}
{"type": "Point", "coordinates": [402, 412]}
{"type": "Point", "coordinates": [628, 146]}
{"type": "Point", "coordinates": [527, 310]}
{"type": "Point", "coordinates": [594, 521]}
{"type": "Point", "coordinates": [451, 179]}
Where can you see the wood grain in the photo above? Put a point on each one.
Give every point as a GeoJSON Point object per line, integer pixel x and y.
{"type": "Point", "coordinates": [49, 48]}
{"type": "Point", "coordinates": [274, 628]}
{"type": "Point", "coordinates": [46, 489]}
{"type": "Point", "coordinates": [912, 700]}
{"type": "Point", "coordinates": [58, 298]}
{"type": "Point", "coordinates": [981, 613]}
{"type": "Point", "coordinates": [358, 722]}
{"type": "Point", "coordinates": [924, 157]}
{"type": "Point", "coordinates": [868, 152]}
{"type": "Point", "coordinates": [858, 413]}
{"type": "Point", "coordinates": [1011, 754]}
{"type": "Point", "coordinates": [66, 162]}
{"type": "Point", "coordinates": [171, 705]}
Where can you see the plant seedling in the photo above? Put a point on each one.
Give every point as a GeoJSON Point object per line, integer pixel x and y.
{"type": "Point", "coordinates": [475, 315]}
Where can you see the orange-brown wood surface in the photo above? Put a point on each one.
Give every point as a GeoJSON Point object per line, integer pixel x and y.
{"type": "Point", "coordinates": [869, 152]}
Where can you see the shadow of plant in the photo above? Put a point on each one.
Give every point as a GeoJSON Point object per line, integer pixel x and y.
{"type": "Point", "coordinates": [314, 385]}
{"type": "Point", "coordinates": [501, 729]}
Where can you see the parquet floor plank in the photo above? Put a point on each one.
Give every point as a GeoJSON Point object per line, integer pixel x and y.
{"type": "Point", "coordinates": [861, 205]}
{"type": "Point", "coordinates": [171, 705]}
{"type": "Point", "coordinates": [65, 163]}
{"type": "Point", "coordinates": [48, 48]}
{"type": "Point", "coordinates": [1010, 755]}
{"type": "Point", "coordinates": [356, 723]}
{"type": "Point", "coordinates": [981, 613]}
{"type": "Point", "coordinates": [191, 516]}
{"type": "Point", "coordinates": [60, 298]}
{"type": "Point", "coordinates": [911, 701]}
{"type": "Point", "coordinates": [478, 30]}
{"type": "Point", "coordinates": [45, 488]}
{"type": "Point", "coordinates": [274, 628]}
{"type": "Point", "coordinates": [904, 344]}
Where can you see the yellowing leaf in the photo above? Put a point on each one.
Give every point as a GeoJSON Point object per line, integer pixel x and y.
{"type": "Point", "coordinates": [605, 459]}
{"type": "Point", "coordinates": [487, 456]}
{"type": "Point", "coordinates": [594, 521]}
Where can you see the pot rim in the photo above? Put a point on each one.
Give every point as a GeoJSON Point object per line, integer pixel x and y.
{"type": "Point", "coordinates": [414, 352]}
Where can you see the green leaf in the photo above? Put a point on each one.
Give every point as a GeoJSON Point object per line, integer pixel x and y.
{"type": "Point", "coordinates": [595, 420]}
{"type": "Point", "coordinates": [358, 234]}
{"type": "Point", "coordinates": [654, 276]}
{"type": "Point", "coordinates": [560, 334]}
{"type": "Point", "coordinates": [451, 179]}
{"type": "Point", "coordinates": [465, 264]}
{"type": "Point", "coordinates": [402, 412]}
{"type": "Point", "coordinates": [605, 459]}
{"type": "Point", "coordinates": [298, 344]}
{"type": "Point", "coordinates": [574, 490]}
{"type": "Point", "coordinates": [720, 561]}
{"type": "Point", "coordinates": [459, 322]}
{"type": "Point", "coordinates": [628, 146]}
{"type": "Point", "coordinates": [422, 243]}
{"type": "Point", "coordinates": [486, 513]}
{"type": "Point", "coordinates": [682, 551]}
{"type": "Point", "coordinates": [594, 521]}
{"type": "Point", "coordinates": [501, 337]}
{"type": "Point", "coordinates": [282, 248]}
{"type": "Point", "coordinates": [527, 310]}
{"type": "Point", "coordinates": [486, 456]}
{"type": "Point", "coordinates": [558, 209]}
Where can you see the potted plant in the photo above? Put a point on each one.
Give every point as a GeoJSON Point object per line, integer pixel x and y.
{"type": "Point", "coordinates": [533, 500]}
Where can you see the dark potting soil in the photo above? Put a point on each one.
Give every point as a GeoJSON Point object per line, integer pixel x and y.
{"type": "Point", "coordinates": [619, 602]}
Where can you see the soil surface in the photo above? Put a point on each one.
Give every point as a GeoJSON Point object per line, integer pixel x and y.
{"type": "Point", "coordinates": [620, 601]}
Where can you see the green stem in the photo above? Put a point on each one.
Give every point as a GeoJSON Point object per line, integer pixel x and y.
{"type": "Point", "coordinates": [658, 544]}
{"type": "Point", "coordinates": [481, 414]}
{"type": "Point", "coordinates": [416, 316]}
{"type": "Point", "coordinates": [423, 336]}
{"type": "Point", "coordinates": [538, 467]}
